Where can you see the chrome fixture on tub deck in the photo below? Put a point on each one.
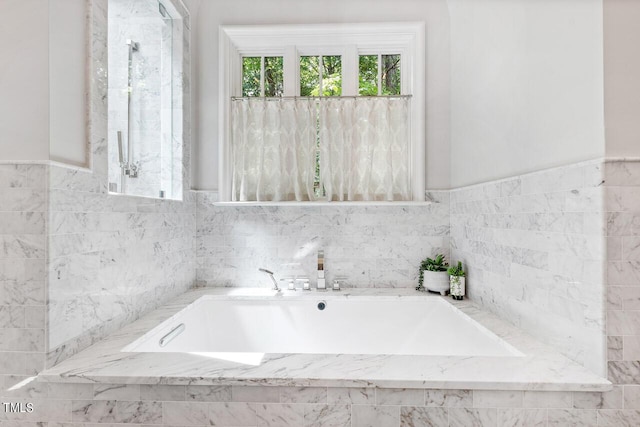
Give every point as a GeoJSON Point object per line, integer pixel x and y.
{"type": "Point", "coordinates": [304, 283]}
{"type": "Point", "coordinates": [321, 280]}
{"type": "Point", "coordinates": [270, 273]}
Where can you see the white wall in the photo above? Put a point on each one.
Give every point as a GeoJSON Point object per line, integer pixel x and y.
{"type": "Point", "coordinates": [622, 77]}
{"type": "Point", "coordinates": [526, 79]}
{"type": "Point", "coordinates": [227, 12]}
{"type": "Point", "coordinates": [42, 80]}
{"type": "Point", "coordinates": [67, 79]}
{"type": "Point", "coordinates": [526, 86]}
{"type": "Point", "coordinates": [24, 80]}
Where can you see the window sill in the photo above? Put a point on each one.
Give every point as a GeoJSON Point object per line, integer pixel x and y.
{"type": "Point", "coordinates": [322, 204]}
{"type": "Point", "coordinates": [168, 199]}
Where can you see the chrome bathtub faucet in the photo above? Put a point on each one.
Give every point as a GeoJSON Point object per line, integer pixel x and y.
{"type": "Point", "coordinates": [270, 273]}
{"type": "Point", "coordinates": [321, 279]}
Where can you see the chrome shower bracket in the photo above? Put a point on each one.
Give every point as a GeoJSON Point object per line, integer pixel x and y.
{"type": "Point", "coordinates": [134, 45]}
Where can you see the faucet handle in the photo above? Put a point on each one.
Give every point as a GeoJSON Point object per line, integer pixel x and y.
{"type": "Point", "coordinates": [305, 283]}
{"type": "Point", "coordinates": [287, 282]}
{"type": "Point", "coordinates": [338, 282]}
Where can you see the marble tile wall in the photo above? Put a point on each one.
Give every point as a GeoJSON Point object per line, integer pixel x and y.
{"type": "Point", "coordinates": [67, 405]}
{"type": "Point", "coordinates": [539, 230]}
{"type": "Point", "coordinates": [23, 230]}
{"type": "Point", "coordinates": [623, 273]}
{"type": "Point", "coordinates": [535, 252]}
{"type": "Point", "coordinates": [111, 258]}
{"type": "Point", "coordinates": [368, 246]}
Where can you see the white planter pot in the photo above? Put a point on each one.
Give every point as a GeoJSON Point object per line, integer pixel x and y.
{"type": "Point", "coordinates": [436, 281]}
{"type": "Point", "coordinates": [457, 288]}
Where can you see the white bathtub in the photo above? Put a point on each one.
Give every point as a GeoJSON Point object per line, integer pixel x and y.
{"type": "Point", "coordinates": [387, 338]}
{"type": "Point", "coordinates": [247, 328]}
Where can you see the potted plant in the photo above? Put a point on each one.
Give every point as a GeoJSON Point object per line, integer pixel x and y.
{"type": "Point", "coordinates": [433, 275]}
{"type": "Point", "coordinates": [457, 281]}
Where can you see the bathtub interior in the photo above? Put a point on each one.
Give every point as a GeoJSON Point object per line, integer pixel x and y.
{"type": "Point", "coordinates": [375, 326]}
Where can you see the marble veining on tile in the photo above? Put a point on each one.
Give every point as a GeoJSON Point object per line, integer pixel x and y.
{"type": "Point", "coordinates": [365, 245]}
{"type": "Point", "coordinates": [23, 299]}
{"type": "Point", "coordinates": [534, 248]}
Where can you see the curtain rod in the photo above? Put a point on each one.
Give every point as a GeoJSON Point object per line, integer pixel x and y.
{"type": "Point", "coordinates": [276, 98]}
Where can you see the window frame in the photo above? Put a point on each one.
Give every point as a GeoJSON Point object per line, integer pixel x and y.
{"type": "Point", "coordinates": [347, 40]}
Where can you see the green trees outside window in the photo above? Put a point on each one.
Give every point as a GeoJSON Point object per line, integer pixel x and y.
{"type": "Point", "coordinates": [252, 76]}
{"type": "Point", "coordinates": [273, 76]}
{"type": "Point", "coordinates": [321, 75]}
{"type": "Point", "coordinates": [386, 81]}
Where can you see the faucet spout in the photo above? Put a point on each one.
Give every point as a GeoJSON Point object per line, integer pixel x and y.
{"type": "Point", "coordinates": [270, 273]}
{"type": "Point", "coordinates": [321, 280]}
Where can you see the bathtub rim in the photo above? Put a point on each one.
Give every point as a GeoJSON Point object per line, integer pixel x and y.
{"type": "Point", "coordinates": [542, 368]}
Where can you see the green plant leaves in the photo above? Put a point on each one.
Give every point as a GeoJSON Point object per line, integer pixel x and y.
{"type": "Point", "coordinates": [457, 270]}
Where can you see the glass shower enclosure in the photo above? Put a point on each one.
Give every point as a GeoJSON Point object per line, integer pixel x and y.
{"type": "Point", "coordinates": [145, 98]}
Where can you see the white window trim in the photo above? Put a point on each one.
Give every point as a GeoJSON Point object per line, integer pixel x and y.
{"type": "Point", "coordinates": [348, 40]}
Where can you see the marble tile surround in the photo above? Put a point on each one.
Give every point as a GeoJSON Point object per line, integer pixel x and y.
{"type": "Point", "coordinates": [619, 407]}
{"type": "Point", "coordinates": [25, 196]}
{"type": "Point", "coordinates": [368, 246]}
{"type": "Point", "coordinates": [23, 246]}
{"type": "Point", "coordinates": [608, 203]}
{"type": "Point", "coordinates": [535, 253]}
{"type": "Point", "coordinates": [623, 271]}
{"type": "Point", "coordinates": [77, 264]}
{"type": "Point", "coordinates": [67, 405]}
{"type": "Point", "coordinates": [111, 258]}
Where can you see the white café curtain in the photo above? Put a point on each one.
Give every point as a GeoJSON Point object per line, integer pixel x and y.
{"type": "Point", "coordinates": [273, 149]}
{"type": "Point", "coordinates": [362, 144]}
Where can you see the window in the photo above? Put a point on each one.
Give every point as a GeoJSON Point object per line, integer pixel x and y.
{"type": "Point", "coordinates": [379, 75]}
{"type": "Point", "coordinates": [321, 75]}
{"type": "Point", "coordinates": [319, 63]}
{"type": "Point", "coordinates": [262, 76]}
